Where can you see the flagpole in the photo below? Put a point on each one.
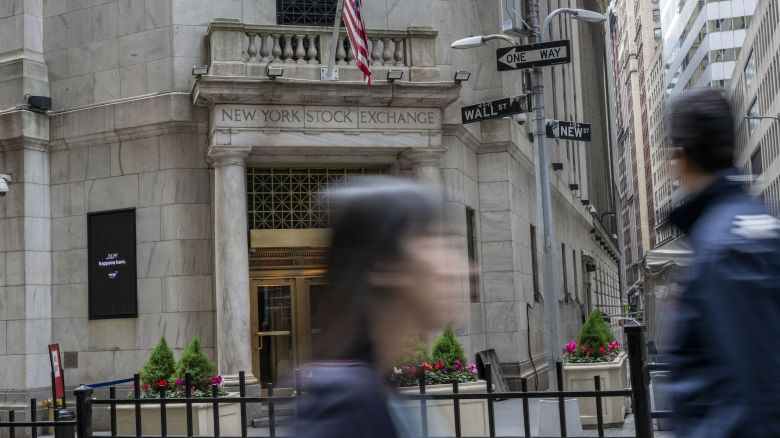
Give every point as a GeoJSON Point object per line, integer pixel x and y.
{"type": "Point", "coordinates": [331, 72]}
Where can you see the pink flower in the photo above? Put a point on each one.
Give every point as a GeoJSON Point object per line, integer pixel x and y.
{"type": "Point", "coordinates": [427, 366]}
{"type": "Point", "coordinates": [179, 382]}
{"type": "Point", "coordinates": [602, 350]}
{"type": "Point", "coordinates": [217, 381]}
{"type": "Point", "coordinates": [457, 365]}
{"type": "Point", "coordinates": [409, 371]}
{"type": "Point", "coordinates": [472, 368]}
{"type": "Point", "coordinates": [571, 346]}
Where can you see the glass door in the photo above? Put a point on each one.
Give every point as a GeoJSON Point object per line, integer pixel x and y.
{"type": "Point", "coordinates": [273, 303]}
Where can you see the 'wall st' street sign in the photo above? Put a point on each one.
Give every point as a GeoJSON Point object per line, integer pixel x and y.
{"type": "Point", "coordinates": [568, 130]}
{"type": "Point", "coordinates": [533, 55]}
{"type": "Point", "coordinates": [495, 109]}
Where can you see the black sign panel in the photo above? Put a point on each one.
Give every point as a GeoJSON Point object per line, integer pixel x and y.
{"type": "Point", "coordinates": [112, 265]}
{"type": "Point", "coordinates": [533, 55]}
{"type": "Point", "coordinates": [568, 130]}
{"type": "Point", "coordinates": [495, 109]}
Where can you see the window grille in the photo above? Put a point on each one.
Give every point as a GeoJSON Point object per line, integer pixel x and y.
{"type": "Point", "coordinates": [295, 198]}
{"type": "Point", "coordinates": [305, 12]}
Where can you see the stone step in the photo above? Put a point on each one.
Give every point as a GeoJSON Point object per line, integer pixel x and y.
{"type": "Point", "coordinates": [283, 415]}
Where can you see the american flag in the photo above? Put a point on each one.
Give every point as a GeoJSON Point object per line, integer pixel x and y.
{"type": "Point", "coordinates": [353, 20]}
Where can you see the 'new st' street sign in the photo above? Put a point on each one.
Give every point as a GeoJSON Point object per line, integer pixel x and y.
{"type": "Point", "coordinates": [533, 55]}
{"type": "Point", "coordinates": [495, 109]}
{"type": "Point", "coordinates": [568, 130]}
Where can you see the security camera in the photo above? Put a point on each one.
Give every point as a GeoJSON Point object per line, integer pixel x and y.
{"type": "Point", "coordinates": [520, 119]}
{"type": "Point", "coordinates": [592, 209]}
{"type": "Point", "coordinates": [4, 181]}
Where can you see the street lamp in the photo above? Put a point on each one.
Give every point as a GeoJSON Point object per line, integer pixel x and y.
{"type": "Point", "coordinates": [478, 41]}
{"type": "Point", "coordinates": [542, 170]}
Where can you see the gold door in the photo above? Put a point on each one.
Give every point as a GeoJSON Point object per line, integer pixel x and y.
{"type": "Point", "coordinates": [282, 325]}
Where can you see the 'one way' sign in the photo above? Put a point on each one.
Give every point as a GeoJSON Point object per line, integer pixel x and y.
{"type": "Point", "coordinates": [533, 55]}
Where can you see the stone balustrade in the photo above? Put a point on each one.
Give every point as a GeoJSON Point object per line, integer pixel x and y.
{"type": "Point", "coordinates": [238, 49]}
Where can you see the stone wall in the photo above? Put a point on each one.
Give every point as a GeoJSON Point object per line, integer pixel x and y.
{"type": "Point", "coordinates": [121, 161]}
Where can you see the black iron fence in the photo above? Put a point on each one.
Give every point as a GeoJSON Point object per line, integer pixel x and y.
{"type": "Point", "coordinates": [86, 401]}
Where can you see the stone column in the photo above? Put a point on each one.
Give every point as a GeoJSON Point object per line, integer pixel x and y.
{"type": "Point", "coordinates": [425, 164]}
{"type": "Point", "coordinates": [231, 263]}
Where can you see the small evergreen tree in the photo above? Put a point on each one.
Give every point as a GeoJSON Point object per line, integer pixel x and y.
{"type": "Point", "coordinates": [195, 361]}
{"type": "Point", "coordinates": [448, 349]}
{"type": "Point", "coordinates": [595, 333]}
{"type": "Point", "coordinates": [160, 365]}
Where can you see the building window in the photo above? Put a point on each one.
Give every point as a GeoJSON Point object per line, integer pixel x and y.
{"type": "Point", "coordinates": [305, 12]}
{"type": "Point", "coordinates": [574, 267]}
{"type": "Point", "coordinates": [756, 162]}
{"type": "Point", "coordinates": [535, 265]}
{"type": "Point", "coordinates": [750, 70]}
{"type": "Point", "coordinates": [565, 274]}
{"type": "Point", "coordinates": [753, 112]}
{"type": "Point", "coordinates": [294, 198]}
{"type": "Point", "coordinates": [471, 226]}
{"type": "Point", "coordinates": [657, 33]}
{"type": "Point", "coordinates": [656, 15]}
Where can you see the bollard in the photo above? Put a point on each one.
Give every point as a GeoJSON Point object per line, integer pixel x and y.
{"type": "Point", "coordinates": [83, 411]}
{"type": "Point", "coordinates": [637, 360]}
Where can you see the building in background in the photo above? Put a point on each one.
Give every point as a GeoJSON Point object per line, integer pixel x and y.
{"type": "Point", "coordinates": [204, 158]}
{"type": "Point", "coordinates": [702, 41]}
{"type": "Point", "coordinates": [755, 92]}
{"type": "Point", "coordinates": [633, 39]}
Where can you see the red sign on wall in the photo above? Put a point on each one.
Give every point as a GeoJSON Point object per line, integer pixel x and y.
{"type": "Point", "coordinates": [56, 368]}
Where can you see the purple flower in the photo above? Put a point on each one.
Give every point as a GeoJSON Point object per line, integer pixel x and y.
{"type": "Point", "coordinates": [457, 365]}
{"type": "Point", "coordinates": [472, 368]}
{"type": "Point", "coordinates": [179, 382]}
{"type": "Point", "coordinates": [216, 380]}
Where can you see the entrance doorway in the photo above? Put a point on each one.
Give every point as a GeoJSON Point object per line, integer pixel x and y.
{"type": "Point", "coordinates": [283, 305]}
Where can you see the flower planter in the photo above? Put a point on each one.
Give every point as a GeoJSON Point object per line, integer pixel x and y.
{"type": "Point", "coordinates": [176, 418]}
{"type": "Point", "coordinates": [579, 377]}
{"type": "Point", "coordinates": [441, 416]}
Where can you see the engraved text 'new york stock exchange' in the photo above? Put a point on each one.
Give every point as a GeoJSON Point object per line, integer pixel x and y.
{"type": "Point", "coordinates": [325, 117]}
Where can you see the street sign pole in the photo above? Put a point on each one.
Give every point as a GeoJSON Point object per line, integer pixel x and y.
{"type": "Point", "coordinates": [544, 217]}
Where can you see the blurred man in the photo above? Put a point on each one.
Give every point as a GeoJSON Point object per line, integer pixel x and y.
{"type": "Point", "coordinates": [726, 357]}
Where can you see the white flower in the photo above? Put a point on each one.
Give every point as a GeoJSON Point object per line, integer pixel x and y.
{"type": "Point", "coordinates": [397, 370]}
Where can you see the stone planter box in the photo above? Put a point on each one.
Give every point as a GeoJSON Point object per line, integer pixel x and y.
{"type": "Point", "coordinates": [441, 416]}
{"type": "Point", "coordinates": [579, 377]}
{"type": "Point", "coordinates": [202, 419]}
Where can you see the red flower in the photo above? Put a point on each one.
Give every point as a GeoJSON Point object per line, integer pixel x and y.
{"type": "Point", "coordinates": [146, 386]}
{"type": "Point", "coordinates": [440, 365]}
{"type": "Point", "coordinates": [162, 383]}
{"type": "Point", "coordinates": [602, 350]}
{"type": "Point", "coordinates": [584, 349]}
{"type": "Point", "coordinates": [590, 351]}
{"type": "Point", "coordinates": [427, 366]}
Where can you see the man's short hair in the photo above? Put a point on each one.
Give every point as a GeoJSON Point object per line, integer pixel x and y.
{"type": "Point", "coordinates": [701, 123]}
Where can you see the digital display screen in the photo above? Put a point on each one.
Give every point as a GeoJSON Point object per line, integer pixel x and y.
{"type": "Point", "coordinates": [112, 265]}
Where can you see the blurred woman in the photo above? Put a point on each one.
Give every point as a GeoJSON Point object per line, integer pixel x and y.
{"type": "Point", "coordinates": [389, 274]}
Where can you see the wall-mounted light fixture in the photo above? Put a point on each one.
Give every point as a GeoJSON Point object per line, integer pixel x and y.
{"type": "Point", "coordinates": [557, 167]}
{"type": "Point", "coordinates": [462, 76]}
{"type": "Point", "coordinates": [274, 71]}
{"type": "Point", "coordinates": [200, 70]}
{"type": "Point", "coordinates": [394, 75]}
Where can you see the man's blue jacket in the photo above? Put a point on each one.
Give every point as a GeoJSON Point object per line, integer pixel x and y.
{"type": "Point", "coordinates": [726, 348]}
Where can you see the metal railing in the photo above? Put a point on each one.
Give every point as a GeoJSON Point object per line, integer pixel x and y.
{"type": "Point", "coordinates": [85, 402]}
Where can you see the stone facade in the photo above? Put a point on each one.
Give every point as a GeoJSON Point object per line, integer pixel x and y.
{"type": "Point", "coordinates": [132, 128]}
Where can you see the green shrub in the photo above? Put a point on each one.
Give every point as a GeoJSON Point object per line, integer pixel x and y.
{"type": "Point", "coordinates": [195, 361]}
{"type": "Point", "coordinates": [448, 349]}
{"type": "Point", "coordinates": [160, 365]}
{"type": "Point", "coordinates": [595, 333]}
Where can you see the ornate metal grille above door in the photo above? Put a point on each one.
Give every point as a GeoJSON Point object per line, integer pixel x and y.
{"type": "Point", "coordinates": [295, 198]}
{"type": "Point", "coordinates": [305, 12]}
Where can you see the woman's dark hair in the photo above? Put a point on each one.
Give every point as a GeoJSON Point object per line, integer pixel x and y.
{"type": "Point", "coordinates": [373, 217]}
{"type": "Point", "coordinates": [701, 123]}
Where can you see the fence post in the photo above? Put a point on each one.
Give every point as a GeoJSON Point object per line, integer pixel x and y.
{"type": "Point", "coordinates": [83, 411]}
{"type": "Point", "coordinates": [637, 363]}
